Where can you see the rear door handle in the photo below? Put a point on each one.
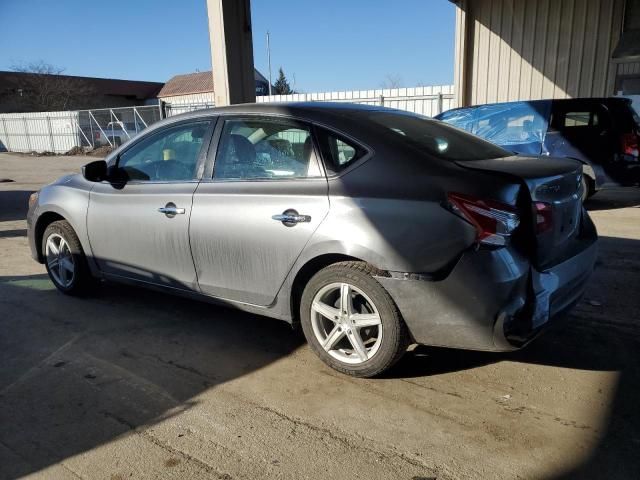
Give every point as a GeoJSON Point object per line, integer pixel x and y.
{"type": "Point", "coordinates": [170, 210]}
{"type": "Point", "coordinates": [290, 217]}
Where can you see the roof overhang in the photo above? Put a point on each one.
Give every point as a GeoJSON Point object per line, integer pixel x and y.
{"type": "Point", "coordinates": [628, 47]}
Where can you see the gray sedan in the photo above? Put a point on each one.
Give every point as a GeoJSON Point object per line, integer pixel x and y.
{"type": "Point", "coordinates": [369, 228]}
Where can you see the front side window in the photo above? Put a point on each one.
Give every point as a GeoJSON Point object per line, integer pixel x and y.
{"type": "Point", "coordinates": [252, 149]}
{"type": "Point", "coordinates": [169, 155]}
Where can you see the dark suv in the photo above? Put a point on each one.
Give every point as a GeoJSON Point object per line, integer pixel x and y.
{"type": "Point", "coordinates": [602, 133]}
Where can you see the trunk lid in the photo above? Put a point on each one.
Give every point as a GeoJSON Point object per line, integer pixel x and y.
{"type": "Point", "coordinates": [554, 182]}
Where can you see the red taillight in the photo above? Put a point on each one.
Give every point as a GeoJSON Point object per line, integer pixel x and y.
{"type": "Point", "coordinates": [543, 213]}
{"type": "Point", "coordinates": [494, 221]}
{"type": "Point", "coordinates": [630, 144]}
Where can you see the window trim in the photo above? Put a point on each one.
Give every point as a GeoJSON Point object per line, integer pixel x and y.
{"type": "Point", "coordinates": [202, 154]}
{"type": "Point", "coordinates": [209, 170]}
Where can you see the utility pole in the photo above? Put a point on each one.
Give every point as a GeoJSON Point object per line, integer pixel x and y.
{"type": "Point", "coordinates": [269, 59]}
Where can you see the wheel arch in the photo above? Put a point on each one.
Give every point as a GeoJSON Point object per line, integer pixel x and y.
{"type": "Point", "coordinates": [44, 220]}
{"type": "Point", "coordinates": [306, 272]}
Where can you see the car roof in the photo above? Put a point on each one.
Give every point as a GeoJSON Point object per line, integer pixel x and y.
{"type": "Point", "coordinates": [310, 110]}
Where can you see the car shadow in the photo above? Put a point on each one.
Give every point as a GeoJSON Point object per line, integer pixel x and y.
{"type": "Point", "coordinates": [76, 373]}
{"type": "Point", "coordinates": [614, 198]}
{"type": "Point", "coordinates": [18, 232]}
{"type": "Point", "coordinates": [15, 204]}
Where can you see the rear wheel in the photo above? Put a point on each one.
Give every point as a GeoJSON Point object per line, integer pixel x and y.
{"type": "Point", "coordinates": [351, 322]}
{"type": "Point", "coordinates": [65, 260]}
{"type": "Point", "coordinates": [587, 187]}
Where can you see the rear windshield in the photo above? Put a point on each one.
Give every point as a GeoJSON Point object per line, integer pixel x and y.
{"type": "Point", "coordinates": [437, 138]}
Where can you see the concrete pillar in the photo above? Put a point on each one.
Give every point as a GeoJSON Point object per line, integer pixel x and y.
{"type": "Point", "coordinates": [231, 51]}
{"type": "Point", "coordinates": [461, 54]}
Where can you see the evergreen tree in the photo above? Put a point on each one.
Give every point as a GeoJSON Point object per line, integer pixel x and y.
{"type": "Point", "coordinates": [282, 86]}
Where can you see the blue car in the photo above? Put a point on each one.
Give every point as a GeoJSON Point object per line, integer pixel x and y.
{"type": "Point", "coordinates": [602, 133]}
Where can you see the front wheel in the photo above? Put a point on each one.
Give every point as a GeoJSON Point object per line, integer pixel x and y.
{"type": "Point", "coordinates": [65, 260]}
{"type": "Point", "coordinates": [351, 322]}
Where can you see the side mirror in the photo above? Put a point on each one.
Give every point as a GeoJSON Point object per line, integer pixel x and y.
{"type": "Point", "coordinates": [95, 171]}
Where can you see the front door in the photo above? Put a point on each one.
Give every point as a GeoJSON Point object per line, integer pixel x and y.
{"type": "Point", "coordinates": [138, 223]}
{"type": "Point", "coordinates": [252, 219]}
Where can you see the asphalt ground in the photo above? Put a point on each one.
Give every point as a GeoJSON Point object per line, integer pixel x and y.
{"type": "Point", "coordinates": [131, 383]}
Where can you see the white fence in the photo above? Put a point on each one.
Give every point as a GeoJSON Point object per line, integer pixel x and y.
{"type": "Point", "coordinates": [41, 131]}
{"type": "Point", "coordinates": [428, 101]}
{"type": "Point", "coordinates": [59, 132]}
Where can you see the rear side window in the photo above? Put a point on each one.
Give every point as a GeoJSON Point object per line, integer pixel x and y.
{"type": "Point", "coordinates": [338, 152]}
{"type": "Point", "coordinates": [578, 116]}
{"type": "Point", "coordinates": [581, 119]}
{"type": "Point", "coordinates": [437, 138]}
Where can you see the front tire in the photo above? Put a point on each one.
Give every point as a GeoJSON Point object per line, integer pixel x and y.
{"type": "Point", "coordinates": [65, 260]}
{"type": "Point", "coordinates": [351, 322]}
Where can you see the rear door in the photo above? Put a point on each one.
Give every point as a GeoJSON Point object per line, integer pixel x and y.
{"type": "Point", "coordinates": [257, 207]}
{"type": "Point", "coordinates": [583, 129]}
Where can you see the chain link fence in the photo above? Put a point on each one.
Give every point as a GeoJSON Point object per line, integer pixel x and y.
{"type": "Point", "coordinates": [114, 126]}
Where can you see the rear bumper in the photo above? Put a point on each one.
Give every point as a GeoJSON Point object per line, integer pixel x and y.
{"type": "Point", "coordinates": [492, 300]}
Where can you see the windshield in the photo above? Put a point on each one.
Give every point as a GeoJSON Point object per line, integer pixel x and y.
{"type": "Point", "coordinates": [437, 138]}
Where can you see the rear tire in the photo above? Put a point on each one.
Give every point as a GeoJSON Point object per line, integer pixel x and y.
{"type": "Point", "coordinates": [587, 187]}
{"type": "Point", "coordinates": [65, 260]}
{"type": "Point", "coordinates": [365, 341]}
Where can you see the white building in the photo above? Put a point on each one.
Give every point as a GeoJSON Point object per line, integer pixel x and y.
{"type": "Point", "coordinates": [197, 88]}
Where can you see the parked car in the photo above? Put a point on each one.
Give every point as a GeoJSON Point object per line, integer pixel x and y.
{"type": "Point", "coordinates": [371, 228]}
{"type": "Point", "coordinates": [602, 133]}
{"type": "Point", "coordinates": [116, 133]}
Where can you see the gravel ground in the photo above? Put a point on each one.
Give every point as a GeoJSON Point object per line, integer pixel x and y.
{"type": "Point", "coordinates": [135, 384]}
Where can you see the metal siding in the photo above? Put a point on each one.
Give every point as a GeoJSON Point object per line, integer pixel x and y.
{"type": "Point", "coordinates": [520, 50]}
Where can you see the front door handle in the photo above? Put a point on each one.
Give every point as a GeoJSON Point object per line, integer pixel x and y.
{"type": "Point", "coordinates": [290, 218]}
{"type": "Point", "coordinates": [170, 210]}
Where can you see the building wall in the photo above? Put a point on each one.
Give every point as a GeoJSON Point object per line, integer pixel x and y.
{"type": "Point", "coordinates": [532, 49]}
{"type": "Point", "coordinates": [192, 98]}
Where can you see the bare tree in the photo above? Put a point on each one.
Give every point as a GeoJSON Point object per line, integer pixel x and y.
{"type": "Point", "coordinates": [391, 81]}
{"type": "Point", "coordinates": [44, 87]}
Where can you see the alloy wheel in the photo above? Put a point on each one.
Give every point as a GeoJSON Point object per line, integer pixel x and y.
{"type": "Point", "coordinates": [60, 260]}
{"type": "Point", "coordinates": [346, 323]}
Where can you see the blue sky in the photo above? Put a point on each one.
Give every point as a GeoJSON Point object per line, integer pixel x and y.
{"type": "Point", "coordinates": [326, 44]}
